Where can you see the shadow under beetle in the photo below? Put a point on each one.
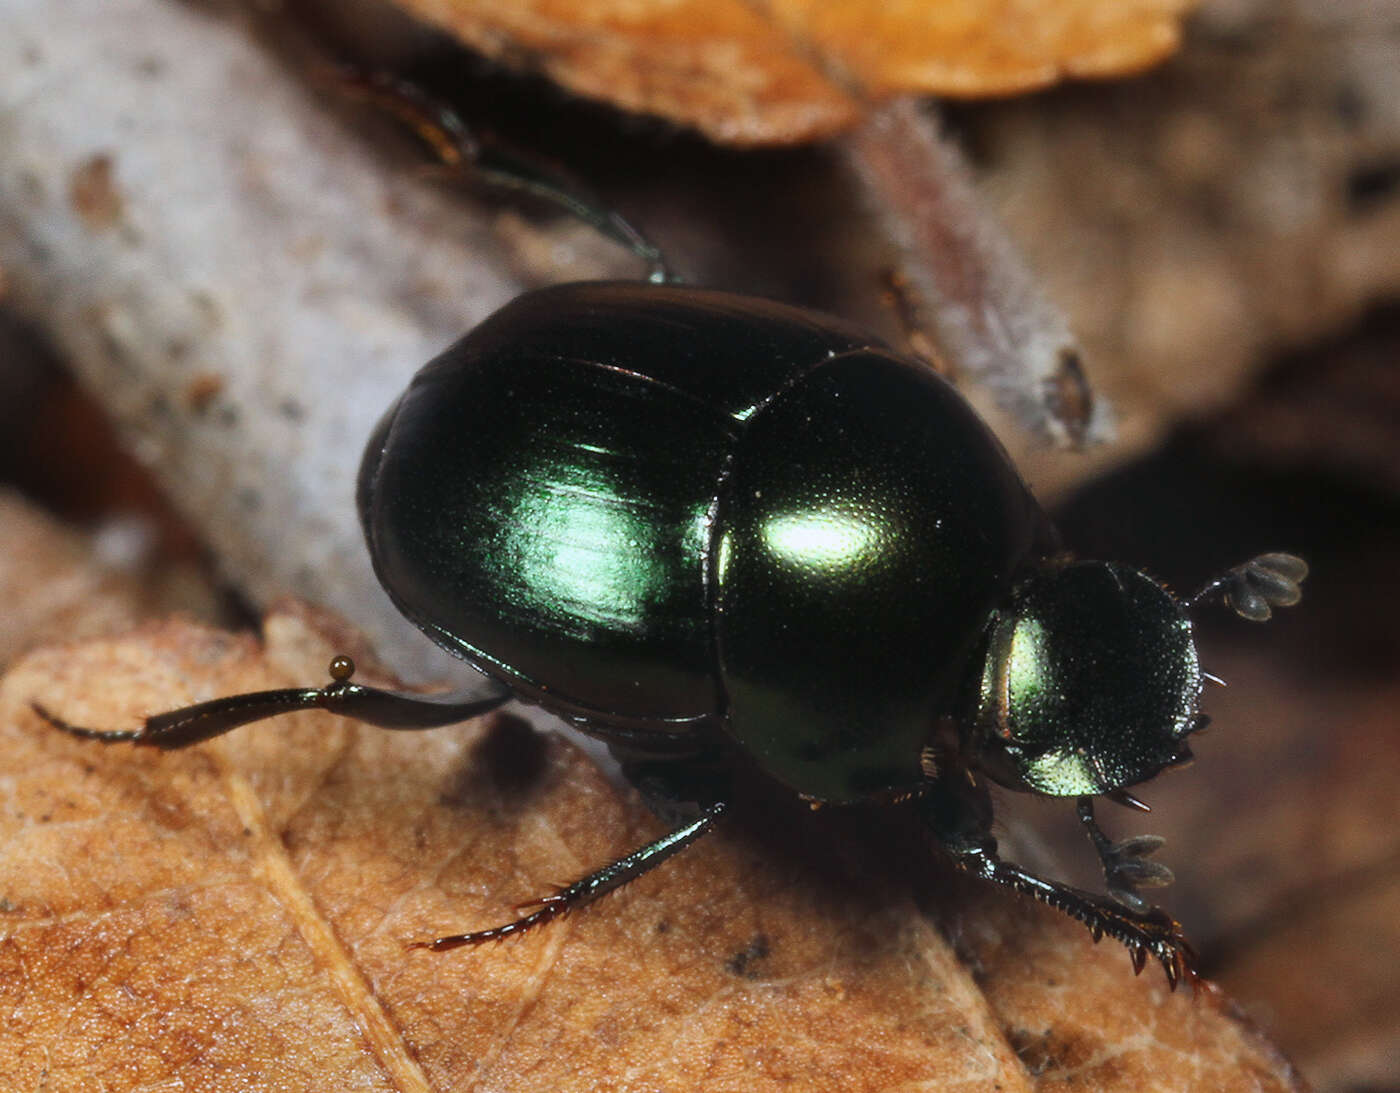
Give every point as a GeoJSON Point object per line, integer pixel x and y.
{"type": "Point", "coordinates": [717, 532]}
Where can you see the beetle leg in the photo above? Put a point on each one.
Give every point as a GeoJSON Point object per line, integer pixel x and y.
{"type": "Point", "coordinates": [584, 891]}
{"type": "Point", "coordinates": [463, 152]}
{"type": "Point", "coordinates": [961, 821]}
{"type": "Point", "coordinates": [1125, 864]}
{"type": "Point", "coordinates": [206, 720]}
{"type": "Point", "coordinates": [1152, 933]}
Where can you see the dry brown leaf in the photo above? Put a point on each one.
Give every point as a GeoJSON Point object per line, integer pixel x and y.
{"type": "Point", "coordinates": [233, 917]}
{"type": "Point", "coordinates": [794, 70]}
{"type": "Point", "coordinates": [976, 48]}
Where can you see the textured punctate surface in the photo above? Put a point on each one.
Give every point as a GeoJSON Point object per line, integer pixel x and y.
{"type": "Point", "coordinates": [1093, 682]}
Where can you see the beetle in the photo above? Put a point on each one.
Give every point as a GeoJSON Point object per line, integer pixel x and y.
{"type": "Point", "coordinates": [722, 534]}
{"type": "Point", "coordinates": [714, 531]}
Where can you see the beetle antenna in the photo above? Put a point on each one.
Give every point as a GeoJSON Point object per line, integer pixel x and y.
{"type": "Point", "coordinates": [1212, 678]}
{"type": "Point", "coordinates": [1255, 588]}
{"type": "Point", "coordinates": [469, 154]}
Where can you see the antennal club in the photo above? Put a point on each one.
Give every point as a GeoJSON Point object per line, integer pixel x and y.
{"type": "Point", "coordinates": [1255, 588]}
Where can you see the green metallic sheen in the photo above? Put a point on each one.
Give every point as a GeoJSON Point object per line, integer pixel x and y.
{"type": "Point", "coordinates": [868, 527]}
{"type": "Point", "coordinates": [656, 507]}
{"type": "Point", "coordinates": [1090, 684]}
{"type": "Point", "coordinates": [540, 500]}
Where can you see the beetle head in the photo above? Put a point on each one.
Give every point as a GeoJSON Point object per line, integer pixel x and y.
{"type": "Point", "coordinates": [1091, 683]}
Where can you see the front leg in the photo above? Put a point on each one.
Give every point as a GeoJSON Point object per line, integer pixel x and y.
{"type": "Point", "coordinates": [960, 819]}
{"type": "Point", "coordinates": [1152, 933]}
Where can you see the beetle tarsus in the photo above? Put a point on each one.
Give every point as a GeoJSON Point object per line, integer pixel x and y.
{"type": "Point", "coordinates": [1153, 933]}
{"type": "Point", "coordinates": [552, 906]}
{"type": "Point", "coordinates": [587, 889]}
{"type": "Point", "coordinates": [106, 736]}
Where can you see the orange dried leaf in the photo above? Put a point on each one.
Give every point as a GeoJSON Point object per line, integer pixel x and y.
{"type": "Point", "coordinates": [712, 64]}
{"type": "Point", "coordinates": [796, 70]}
{"type": "Point", "coordinates": [976, 48]}
{"type": "Point", "coordinates": [234, 915]}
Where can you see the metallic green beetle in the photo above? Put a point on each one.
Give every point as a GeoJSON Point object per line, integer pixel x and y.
{"type": "Point", "coordinates": [714, 531]}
